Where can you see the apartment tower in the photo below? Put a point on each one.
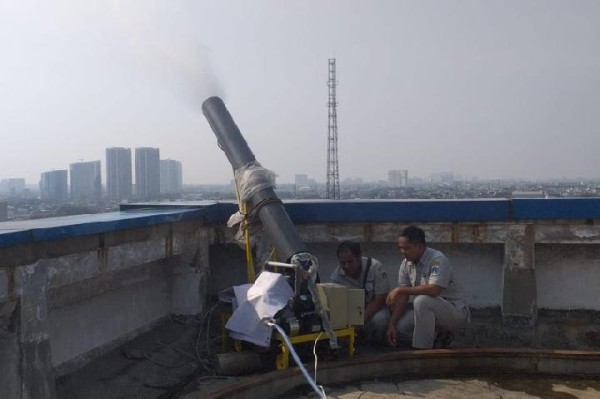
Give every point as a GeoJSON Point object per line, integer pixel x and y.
{"type": "Point", "coordinates": [147, 173]}
{"type": "Point", "coordinates": [119, 179]}
{"type": "Point", "coordinates": [86, 181]}
{"type": "Point", "coordinates": [170, 176]}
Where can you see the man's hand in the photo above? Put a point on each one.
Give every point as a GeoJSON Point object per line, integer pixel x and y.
{"type": "Point", "coordinates": [397, 299]}
{"type": "Point", "coordinates": [390, 335]}
{"type": "Point", "coordinates": [391, 297]}
{"type": "Point", "coordinates": [429, 289]}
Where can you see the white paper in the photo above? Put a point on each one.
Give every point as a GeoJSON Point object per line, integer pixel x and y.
{"type": "Point", "coordinates": [258, 303]}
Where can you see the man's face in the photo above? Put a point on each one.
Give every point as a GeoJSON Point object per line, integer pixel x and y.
{"type": "Point", "coordinates": [412, 251]}
{"type": "Point", "coordinates": [350, 263]}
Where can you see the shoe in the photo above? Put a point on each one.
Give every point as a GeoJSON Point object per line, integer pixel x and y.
{"type": "Point", "coordinates": [443, 340]}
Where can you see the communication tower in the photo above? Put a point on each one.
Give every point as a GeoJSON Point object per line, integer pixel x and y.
{"type": "Point", "coordinates": [333, 173]}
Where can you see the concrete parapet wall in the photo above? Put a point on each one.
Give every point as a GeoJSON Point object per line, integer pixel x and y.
{"type": "Point", "coordinates": [519, 267]}
{"type": "Point", "coordinates": [568, 276]}
{"type": "Point", "coordinates": [499, 263]}
{"type": "Point", "coordinates": [66, 300]}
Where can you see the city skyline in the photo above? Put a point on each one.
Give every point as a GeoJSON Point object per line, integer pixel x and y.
{"type": "Point", "coordinates": [434, 178]}
{"type": "Point", "coordinates": [411, 181]}
{"type": "Point", "coordinates": [84, 180]}
{"type": "Point", "coordinates": [498, 89]}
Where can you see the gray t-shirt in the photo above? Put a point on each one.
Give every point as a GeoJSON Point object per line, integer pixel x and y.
{"type": "Point", "coordinates": [377, 282]}
{"type": "Point", "coordinates": [432, 268]}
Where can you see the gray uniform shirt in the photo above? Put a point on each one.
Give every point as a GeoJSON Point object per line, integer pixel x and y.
{"type": "Point", "coordinates": [432, 268]}
{"type": "Point", "coordinates": [377, 282]}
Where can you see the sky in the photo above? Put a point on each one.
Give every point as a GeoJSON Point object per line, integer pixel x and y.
{"type": "Point", "coordinates": [493, 89]}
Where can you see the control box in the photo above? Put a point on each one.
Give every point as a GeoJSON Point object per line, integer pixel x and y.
{"type": "Point", "coordinates": [344, 306]}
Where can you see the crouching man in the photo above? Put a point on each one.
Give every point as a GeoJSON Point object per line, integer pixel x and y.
{"type": "Point", "coordinates": [438, 306]}
{"type": "Point", "coordinates": [357, 271]}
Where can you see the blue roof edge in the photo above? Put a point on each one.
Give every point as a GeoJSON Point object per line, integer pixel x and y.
{"type": "Point", "coordinates": [30, 231]}
{"type": "Point", "coordinates": [304, 211]}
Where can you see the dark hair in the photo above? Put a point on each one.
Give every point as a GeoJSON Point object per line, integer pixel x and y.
{"type": "Point", "coordinates": [414, 234]}
{"type": "Point", "coordinates": [351, 246]}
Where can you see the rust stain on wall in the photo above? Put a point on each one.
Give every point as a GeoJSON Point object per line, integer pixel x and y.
{"type": "Point", "coordinates": [368, 232]}
{"type": "Point", "coordinates": [169, 245]}
{"type": "Point", "coordinates": [455, 234]}
{"type": "Point", "coordinates": [11, 282]}
{"type": "Point", "coordinates": [102, 252]}
{"type": "Point", "coordinates": [479, 233]}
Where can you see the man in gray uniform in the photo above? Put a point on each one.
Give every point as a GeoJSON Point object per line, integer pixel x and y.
{"type": "Point", "coordinates": [357, 271]}
{"type": "Point", "coordinates": [427, 275]}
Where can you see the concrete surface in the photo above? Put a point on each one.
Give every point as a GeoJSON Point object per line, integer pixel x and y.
{"type": "Point", "coordinates": [154, 365]}
{"type": "Point", "coordinates": [456, 373]}
{"type": "Point", "coordinates": [468, 388]}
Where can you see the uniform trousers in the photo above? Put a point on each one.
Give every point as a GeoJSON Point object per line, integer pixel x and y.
{"type": "Point", "coordinates": [377, 324]}
{"type": "Point", "coordinates": [430, 315]}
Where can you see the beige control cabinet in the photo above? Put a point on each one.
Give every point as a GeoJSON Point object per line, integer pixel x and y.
{"type": "Point", "coordinates": [344, 306]}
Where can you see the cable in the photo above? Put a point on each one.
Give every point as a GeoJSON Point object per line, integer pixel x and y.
{"type": "Point", "coordinates": [315, 353]}
{"type": "Point", "coordinates": [208, 340]}
{"type": "Point", "coordinates": [176, 349]}
{"type": "Point", "coordinates": [171, 366]}
{"type": "Point", "coordinates": [315, 387]}
{"type": "Point", "coordinates": [207, 314]}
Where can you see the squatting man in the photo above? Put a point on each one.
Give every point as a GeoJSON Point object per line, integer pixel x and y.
{"type": "Point", "coordinates": [357, 271]}
{"type": "Point", "coordinates": [427, 276]}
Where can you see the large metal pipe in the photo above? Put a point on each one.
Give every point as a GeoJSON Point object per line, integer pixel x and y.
{"type": "Point", "coordinates": [276, 222]}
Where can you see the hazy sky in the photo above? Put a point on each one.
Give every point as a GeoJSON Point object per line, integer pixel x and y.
{"type": "Point", "coordinates": [494, 89]}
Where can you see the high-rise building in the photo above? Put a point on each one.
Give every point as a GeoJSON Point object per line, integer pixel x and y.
{"type": "Point", "coordinates": [119, 180]}
{"type": "Point", "coordinates": [301, 180]}
{"type": "Point", "coordinates": [3, 211]}
{"type": "Point", "coordinates": [147, 173]}
{"type": "Point", "coordinates": [86, 181]}
{"type": "Point", "coordinates": [170, 176]}
{"type": "Point", "coordinates": [54, 186]}
{"type": "Point", "coordinates": [12, 187]}
{"type": "Point", "coordinates": [398, 178]}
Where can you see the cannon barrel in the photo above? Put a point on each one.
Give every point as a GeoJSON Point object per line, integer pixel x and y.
{"type": "Point", "coordinates": [276, 223]}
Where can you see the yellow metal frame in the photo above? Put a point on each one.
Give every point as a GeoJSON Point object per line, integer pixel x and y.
{"type": "Point", "coordinates": [283, 358]}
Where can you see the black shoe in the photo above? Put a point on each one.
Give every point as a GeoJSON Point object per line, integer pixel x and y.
{"type": "Point", "coordinates": [443, 340]}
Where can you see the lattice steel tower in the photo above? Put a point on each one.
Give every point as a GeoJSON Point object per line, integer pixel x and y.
{"type": "Point", "coordinates": [333, 173]}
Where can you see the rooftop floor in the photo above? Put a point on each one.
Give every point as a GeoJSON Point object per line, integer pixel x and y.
{"type": "Point", "coordinates": [503, 387]}
{"type": "Point", "coordinates": [174, 361]}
